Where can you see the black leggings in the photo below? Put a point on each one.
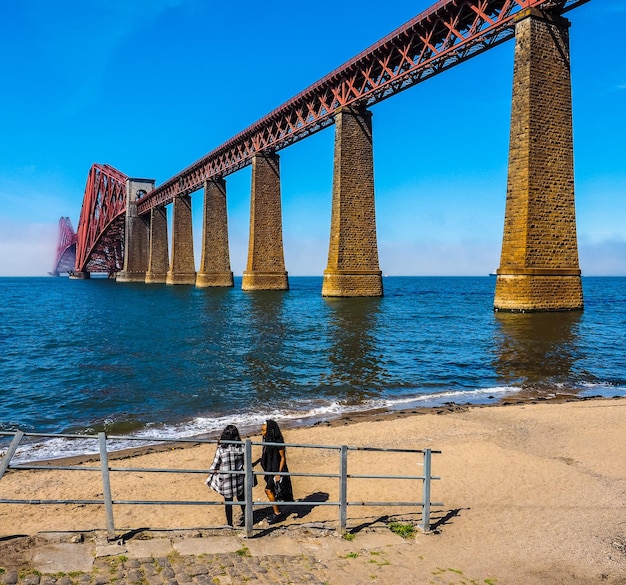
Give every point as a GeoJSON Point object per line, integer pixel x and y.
{"type": "Point", "coordinates": [229, 509]}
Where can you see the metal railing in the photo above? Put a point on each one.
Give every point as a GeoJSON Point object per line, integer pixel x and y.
{"type": "Point", "coordinates": [249, 477]}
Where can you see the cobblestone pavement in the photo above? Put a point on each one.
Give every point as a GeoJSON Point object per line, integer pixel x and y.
{"type": "Point", "coordinates": [281, 557]}
{"type": "Point", "coordinates": [210, 569]}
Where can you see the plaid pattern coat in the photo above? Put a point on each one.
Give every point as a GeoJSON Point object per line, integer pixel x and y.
{"type": "Point", "coordinates": [227, 458]}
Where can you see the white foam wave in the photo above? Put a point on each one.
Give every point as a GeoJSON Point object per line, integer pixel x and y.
{"type": "Point", "coordinates": [248, 423]}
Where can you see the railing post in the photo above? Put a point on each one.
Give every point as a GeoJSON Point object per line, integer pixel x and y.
{"type": "Point", "coordinates": [343, 489]}
{"type": "Point", "coordinates": [6, 460]}
{"type": "Point", "coordinates": [248, 485]}
{"type": "Point", "coordinates": [106, 486]}
{"type": "Point", "coordinates": [426, 495]}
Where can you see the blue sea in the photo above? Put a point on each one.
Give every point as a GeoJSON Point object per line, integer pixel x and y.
{"type": "Point", "coordinates": [81, 356]}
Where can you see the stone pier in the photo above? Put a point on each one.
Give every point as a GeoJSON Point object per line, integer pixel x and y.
{"type": "Point", "coordinates": [265, 269]}
{"type": "Point", "coordinates": [539, 269]}
{"type": "Point", "coordinates": [158, 262]}
{"type": "Point", "coordinates": [215, 263]}
{"type": "Point", "coordinates": [136, 234]}
{"type": "Point", "coordinates": [182, 268]}
{"type": "Point", "coordinates": [353, 269]}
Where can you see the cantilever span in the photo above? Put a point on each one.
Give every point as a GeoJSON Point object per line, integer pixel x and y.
{"type": "Point", "coordinates": [65, 258]}
{"type": "Point", "coordinates": [101, 226]}
{"type": "Point", "coordinates": [446, 34]}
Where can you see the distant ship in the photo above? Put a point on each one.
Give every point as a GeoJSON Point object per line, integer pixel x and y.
{"type": "Point", "coordinates": [494, 273]}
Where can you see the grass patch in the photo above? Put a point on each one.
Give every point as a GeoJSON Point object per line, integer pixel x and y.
{"type": "Point", "coordinates": [351, 555]}
{"type": "Point", "coordinates": [403, 530]}
{"type": "Point", "coordinates": [349, 536]}
{"type": "Point", "coordinates": [244, 551]}
{"type": "Point", "coordinates": [382, 562]}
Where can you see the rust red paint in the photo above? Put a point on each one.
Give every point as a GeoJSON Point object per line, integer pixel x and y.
{"type": "Point", "coordinates": [101, 225]}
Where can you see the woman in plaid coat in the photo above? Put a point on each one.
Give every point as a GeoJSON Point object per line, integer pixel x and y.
{"type": "Point", "coordinates": [228, 457]}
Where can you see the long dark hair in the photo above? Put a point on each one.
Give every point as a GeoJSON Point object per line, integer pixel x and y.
{"type": "Point", "coordinates": [230, 433]}
{"type": "Point", "coordinates": [272, 432]}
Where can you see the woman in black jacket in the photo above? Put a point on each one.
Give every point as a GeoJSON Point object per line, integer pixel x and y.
{"type": "Point", "coordinates": [274, 458]}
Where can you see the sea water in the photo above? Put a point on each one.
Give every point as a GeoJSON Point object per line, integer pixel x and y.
{"type": "Point", "coordinates": [83, 356]}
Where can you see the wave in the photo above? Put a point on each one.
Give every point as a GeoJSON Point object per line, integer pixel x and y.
{"type": "Point", "coordinates": [249, 423]}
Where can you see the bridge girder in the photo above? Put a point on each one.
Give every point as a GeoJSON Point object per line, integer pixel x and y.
{"type": "Point", "coordinates": [449, 32]}
{"type": "Point", "coordinates": [100, 234]}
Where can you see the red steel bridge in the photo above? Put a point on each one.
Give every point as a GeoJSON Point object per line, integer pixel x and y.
{"type": "Point", "coordinates": [65, 259]}
{"type": "Point", "coordinates": [444, 35]}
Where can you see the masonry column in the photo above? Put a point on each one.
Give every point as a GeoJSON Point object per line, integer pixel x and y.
{"type": "Point", "coordinates": [266, 262]}
{"type": "Point", "coordinates": [182, 268]}
{"type": "Point", "coordinates": [215, 263]}
{"type": "Point", "coordinates": [539, 268]}
{"type": "Point", "coordinates": [353, 269]}
{"type": "Point", "coordinates": [158, 261]}
{"type": "Point", "coordinates": [136, 233]}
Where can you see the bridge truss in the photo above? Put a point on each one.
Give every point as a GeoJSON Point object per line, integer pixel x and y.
{"type": "Point", "coordinates": [65, 258]}
{"type": "Point", "coordinates": [448, 33]}
{"type": "Point", "coordinates": [100, 237]}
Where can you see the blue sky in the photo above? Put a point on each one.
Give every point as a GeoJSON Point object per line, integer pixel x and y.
{"type": "Point", "coordinates": [150, 86]}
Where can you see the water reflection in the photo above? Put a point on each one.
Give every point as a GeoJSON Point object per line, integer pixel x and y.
{"type": "Point", "coordinates": [267, 334]}
{"type": "Point", "coordinates": [537, 351]}
{"type": "Point", "coordinates": [354, 358]}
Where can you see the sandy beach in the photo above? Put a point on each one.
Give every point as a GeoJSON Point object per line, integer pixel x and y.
{"type": "Point", "coordinates": [533, 492]}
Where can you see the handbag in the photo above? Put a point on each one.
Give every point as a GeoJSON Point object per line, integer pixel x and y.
{"type": "Point", "coordinates": [279, 492]}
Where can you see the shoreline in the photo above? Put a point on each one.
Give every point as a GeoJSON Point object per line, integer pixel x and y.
{"type": "Point", "coordinates": [367, 415]}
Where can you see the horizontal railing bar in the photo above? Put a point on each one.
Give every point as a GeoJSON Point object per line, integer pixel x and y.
{"type": "Point", "coordinates": [54, 467]}
{"type": "Point", "coordinates": [385, 504]}
{"type": "Point", "coordinates": [295, 473]}
{"type": "Point", "coordinates": [211, 503]}
{"type": "Point", "coordinates": [209, 441]}
{"type": "Point", "coordinates": [299, 445]}
{"type": "Point", "coordinates": [384, 450]}
{"type": "Point", "coordinates": [166, 470]}
{"type": "Point", "coordinates": [221, 472]}
{"type": "Point", "coordinates": [5, 501]}
{"type": "Point", "coordinates": [263, 503]}
{"type": "Point", "coordinates": [350, 476]}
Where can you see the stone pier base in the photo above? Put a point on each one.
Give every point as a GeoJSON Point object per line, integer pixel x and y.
{"type": "Point", "coordinates": [525, 293]}
{"type": "Point", "coordinates": [345, 283]}
{"type": "Point", "coordinates": [265, 280]}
